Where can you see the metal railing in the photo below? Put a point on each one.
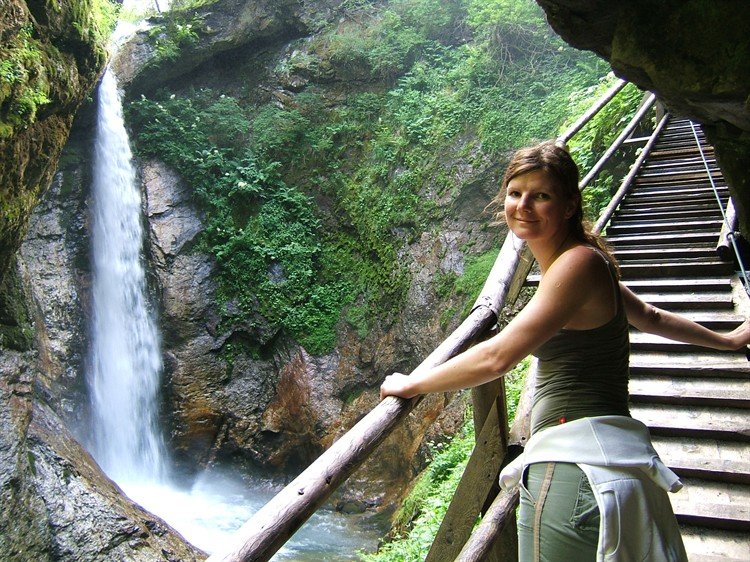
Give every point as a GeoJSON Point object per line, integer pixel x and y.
{"type": "Point", "coordinates": [728, 238]}
{"type": "Point", "coordinates": [283, 515]}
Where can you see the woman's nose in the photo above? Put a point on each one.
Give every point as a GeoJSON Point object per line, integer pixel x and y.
{"type": "Point", "coordinates": [524, 202]}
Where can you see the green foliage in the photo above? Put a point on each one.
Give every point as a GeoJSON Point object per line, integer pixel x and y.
{"type": "Point", "coordinates": [264, 234]}
{"type": "Point", "coordinates": [514, 381]}
{"type": "Point", "coordinates": [103, 17]}
{"type": "Point", "coordinates": [476, 270]}
{"type": "Point", "coordinates": [423, 510]}
{"type": "Point", "coordinates": [367, 161]}
{"type": "Point", "coordinates": [176, 30]}
{"type": "Point", "coordinates": [388, 41]}
{"type": "Point", "coordinates": [469, 284]}
{"type": "Point", "coordinates": [30, 65]}
{"type": "Point", "coordinates": [23, 81]}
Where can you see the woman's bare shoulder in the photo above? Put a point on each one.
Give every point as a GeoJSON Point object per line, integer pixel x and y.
{"type": "Point", "coordinates": [582, 256]}
{"type": "Point", "coordinates": [580, 265]}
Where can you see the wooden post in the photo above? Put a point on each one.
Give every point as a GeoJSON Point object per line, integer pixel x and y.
{"type": "Point", "coordinates": [478, 486]}
{"type": "Point", "coordinates": [473, 491]}
{"type": "Point", "coordinates": [725, 247]}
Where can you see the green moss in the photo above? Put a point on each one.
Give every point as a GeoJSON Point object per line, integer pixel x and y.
{"type": "Point", "coordinates": [16, 329]}
{"type": "Point", "coordinates": [23, 81]}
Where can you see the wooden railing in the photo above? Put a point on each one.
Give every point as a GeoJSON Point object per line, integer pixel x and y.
{"type": "Point", "coordinates": [477, 494]}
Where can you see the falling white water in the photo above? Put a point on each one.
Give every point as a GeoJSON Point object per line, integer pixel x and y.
{"type": "Point", "coordinates": [124, 372]}
{"type": "Point", "coordinates": [125, 361]}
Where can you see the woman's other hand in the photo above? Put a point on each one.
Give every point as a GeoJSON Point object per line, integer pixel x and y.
{"type": "Point", "coordinates": [397, 384]}
{"type": "Point", "coordinates": [740, 336]}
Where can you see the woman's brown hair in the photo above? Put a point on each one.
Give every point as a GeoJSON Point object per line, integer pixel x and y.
{"type": "Point", "coordinates": [556, 161]}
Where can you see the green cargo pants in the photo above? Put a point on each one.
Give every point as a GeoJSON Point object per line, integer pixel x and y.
{"type": "Point", "coordinates": [558, 518]}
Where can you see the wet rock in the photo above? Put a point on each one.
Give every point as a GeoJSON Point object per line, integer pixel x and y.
{"type": "Point", "coordinates": [56, 502]}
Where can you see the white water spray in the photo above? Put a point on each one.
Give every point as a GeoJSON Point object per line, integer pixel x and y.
{"type": "Point", "coordinates": [125, 361]}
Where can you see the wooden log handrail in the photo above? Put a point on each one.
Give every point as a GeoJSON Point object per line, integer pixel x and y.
{"type": "Point", "coordinates": [591, 111]}
{"type": "Point", "coordinates": [626, 132]}
{"type": "Point", "coordinates": [269, 528]}
{"type": "Point", "coordinates": [617, 198]}
{"type": "Point", "coordinates": [283, 515]}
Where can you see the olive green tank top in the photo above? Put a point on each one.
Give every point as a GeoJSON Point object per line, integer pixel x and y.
{"type": "Point", "coordinates": [583, 373]}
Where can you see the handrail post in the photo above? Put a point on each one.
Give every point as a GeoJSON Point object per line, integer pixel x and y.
{"type": "Point", "coordinates": [563, 139]}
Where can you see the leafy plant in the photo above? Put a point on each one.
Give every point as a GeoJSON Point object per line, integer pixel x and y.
{"type": "Point", "coordinates": [176, 30]}
{"type": "Point", "coordinates": [309, 204]}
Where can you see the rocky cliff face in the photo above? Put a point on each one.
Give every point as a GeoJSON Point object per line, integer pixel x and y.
{"type": "Point", "coordinates": [55, 504]}
{"type": "Point", "coordinates": [228, 26]}
{"type": "Point", "coordinates": [280, 408]}
{"type": "Point", "coordinates": [694, 55]}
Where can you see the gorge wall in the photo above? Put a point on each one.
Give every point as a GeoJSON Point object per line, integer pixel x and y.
{"type": "Point", "coordinates": [694, 55]}
{"type": "Point", "coordinates": [276, 408]}
{"type": "Point", "coordinates": [55, 504]}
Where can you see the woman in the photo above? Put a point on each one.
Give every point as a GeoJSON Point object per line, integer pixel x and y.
{"type": "Point", "coordinates": [577, 325]}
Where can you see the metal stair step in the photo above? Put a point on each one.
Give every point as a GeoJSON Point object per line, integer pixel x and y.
{"type": "Point", "coordinates": [694, 161]}
{"type": "Point", "coordinates": [701, 363]}
{"type": "Point", "coordinates": [725, 320]}
{"type": "Point", "coordinates": [695, 190]}
{"type": "Point", "coordinates": [703, 211]}
{"type": "Point", "coordinates": [716, 284]}
{"type": "Point", "coordinates": [708, 459]}
{"type": "Point", "coordinates": [664, 203]}
{"type": "Point", "coordinates": [657, 239]}
{"type": "Point", "coordinates": [715, 545]}
{"type": "Point", "coordinates": [652, 253]}
{"type": "Point", "coordinates": [664, 227]}
{"type": "Point", "coordinates": [654, 270]}
{"type": "Point", "coordinates": [685, 301]}
{"type": "Point", "coordinates": [649, 342]}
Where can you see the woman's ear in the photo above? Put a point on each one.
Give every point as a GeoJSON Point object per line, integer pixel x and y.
{"type": "Point", "coordinates": [572, 206]}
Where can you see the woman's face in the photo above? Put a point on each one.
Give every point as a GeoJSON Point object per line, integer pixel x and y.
{"type": "Point", "coordinates": [534, 207]}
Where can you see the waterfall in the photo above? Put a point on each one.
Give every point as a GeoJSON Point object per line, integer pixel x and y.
{"type": "Point", "coordinates": [124, 376]}
{"type": "Point", "coordinates": [124, 360]}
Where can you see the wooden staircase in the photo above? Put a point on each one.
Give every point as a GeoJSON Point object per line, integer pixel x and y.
{"type": "Point", "coordinates": [695, 401]}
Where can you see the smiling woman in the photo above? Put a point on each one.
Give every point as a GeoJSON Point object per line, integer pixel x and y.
{"type": "Point", "coordinates": [535, 207]}
{"type": "Point", "coordinates": [585, 451]}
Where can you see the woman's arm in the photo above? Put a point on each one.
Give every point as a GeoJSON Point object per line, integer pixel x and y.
{"type": "Point", "coordinates": [563, 290]}
{"type": "Point", "coordinates": [663, 323]}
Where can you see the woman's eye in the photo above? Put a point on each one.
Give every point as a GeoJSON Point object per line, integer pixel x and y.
{"type": "Point", "coordinates": [514, 194]}
{"type": "Point", "coordinates": [542, 196]}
